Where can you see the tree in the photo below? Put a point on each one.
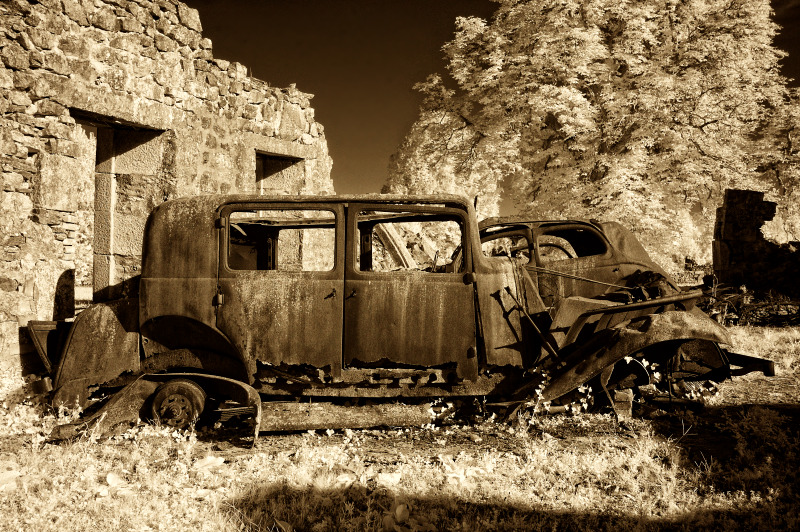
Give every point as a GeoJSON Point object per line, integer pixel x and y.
{"type": "Point", "coordinates": [445, 153]}
{"type": "Point", "coordinates": [639, 110]}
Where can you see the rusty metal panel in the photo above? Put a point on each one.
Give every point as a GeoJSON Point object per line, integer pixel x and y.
{"type": "Point", "coordinates": [612, 345]}
{"type": "Point", "coordinates": [418, 310]}
{"type": "Point", "coordinates": [598, 268]}
{"type": "Point", "coordinates": [190, 297]}
{"type": "Point", "coordinates": [415, 318]}
{"type": "Point", "coordinates": [568, 310]}
{"type": "Point", "coordinates": [103, 344]}
{"type": "Point", "coordinates": [499, 316]}
{"type": "Point", "coordinates": [181, 239]}
{"type": "Point", "coordinates": [282, 317]}
{"type": "Point", "coordinates": [282, 308]}
{"type": "Point", "coordinates": [48, 338]}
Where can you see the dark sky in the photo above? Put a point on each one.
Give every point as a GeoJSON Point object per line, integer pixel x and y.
{"type": "Point", "coordinates": [787, 15]}
{"type": "Point", "coordinates": [360, 59]}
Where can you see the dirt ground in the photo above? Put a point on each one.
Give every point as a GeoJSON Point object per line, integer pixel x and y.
{"type": "Point", "coordinates": [694, 427]}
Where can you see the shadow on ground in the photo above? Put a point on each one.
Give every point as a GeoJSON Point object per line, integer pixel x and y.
{"type": "Point", "coordinates": [262, 507]}
{"type": "Point", "coordinates": [750, 449]}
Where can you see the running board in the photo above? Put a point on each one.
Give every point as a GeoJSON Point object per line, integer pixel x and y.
{"type": "Point", "coordinates": [286, 416]}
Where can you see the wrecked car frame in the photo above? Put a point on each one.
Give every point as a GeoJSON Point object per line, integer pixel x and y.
{"type": "Point", "coordinates": [329, 310]}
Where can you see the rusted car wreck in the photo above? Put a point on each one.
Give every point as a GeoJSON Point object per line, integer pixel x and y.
{"type": "Point", "coordinates": [351, 311]}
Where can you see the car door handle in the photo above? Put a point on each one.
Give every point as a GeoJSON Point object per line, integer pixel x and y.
{"type": "Point", "coordinates": [332, 294]}
{"type": "Point", "coordinates": [352, 294]}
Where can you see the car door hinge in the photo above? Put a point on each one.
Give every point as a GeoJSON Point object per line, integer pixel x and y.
{"type": "Point", "coordinates": [219, 298]}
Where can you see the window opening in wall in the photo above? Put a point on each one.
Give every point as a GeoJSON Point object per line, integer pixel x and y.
{"type": "Point", "coordinates": [277, 174]}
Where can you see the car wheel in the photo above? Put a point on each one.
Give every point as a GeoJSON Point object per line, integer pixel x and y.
{"type": "Point", "coordinates": [178, 403]}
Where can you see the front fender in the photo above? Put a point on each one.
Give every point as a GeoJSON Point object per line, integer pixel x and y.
{"type": "Point", "coordinates": [103, 343]}
{"type": "Point", "coordinates": [127, 406]}
{"type": "Point", "coordinates": [611, 345]}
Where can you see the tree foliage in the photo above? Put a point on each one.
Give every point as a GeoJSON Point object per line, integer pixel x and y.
{"type": "Point", "coordinates": [639, 110]}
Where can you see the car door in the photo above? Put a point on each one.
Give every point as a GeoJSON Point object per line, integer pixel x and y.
{"type": "Point", "coordinates": [408, 298]}
{"type": "Point", "coordinates": [281, 282]}
{"type": "Point", "coordinates": [573, 259]}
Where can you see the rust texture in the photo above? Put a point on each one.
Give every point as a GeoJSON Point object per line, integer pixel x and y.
{"type": "Point", "coordinates": [381, 297]}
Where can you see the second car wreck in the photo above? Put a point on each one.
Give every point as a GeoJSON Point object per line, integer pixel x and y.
{"type": "Point", "coordinates": [355, 311]}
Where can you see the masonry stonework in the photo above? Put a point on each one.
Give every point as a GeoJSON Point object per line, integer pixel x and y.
{"type": "Point", "coordinates": [743, 256]}
{"type": "Point", "coordinates": [108, 108]}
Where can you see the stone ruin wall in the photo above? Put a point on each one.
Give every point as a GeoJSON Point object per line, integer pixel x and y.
{"type": "Point", "coordinates": [743, 256]}
{"type": "Point", "coordinates": [108, 108]}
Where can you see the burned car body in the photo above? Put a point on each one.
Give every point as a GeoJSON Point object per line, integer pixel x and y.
{"type": "Point", "coordinates": [339, 301]}
{"type": "Point", "coordinates": [598, 272]}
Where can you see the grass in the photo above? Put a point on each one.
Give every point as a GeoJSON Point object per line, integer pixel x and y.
{"type": "Point", "coordinates": [782, 345]}
{"type": "Point", "coordinates": [563, 472]}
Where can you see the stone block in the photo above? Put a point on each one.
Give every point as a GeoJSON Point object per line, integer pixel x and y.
{"type": "Point", "coordinates": [185, 36]}
{"type": "Point", "coordinates": [42, 88]}
{"type": "Point", "coordinates": [56, 61]}
{"type": "Point", "coordinates": [164, 43]}
{"type": "Point", "coordinates": [65, 183]}
{"type": "Point", "coordinates": [23, 80]}
{"type": "Point", "coordinates": [293, 123]}
{"type": "Point", "coordinates": [105, 18]}
{"type": "Point", "coordinates": [42, 39]}
{"type": "Point", "coordinates": [6, 78]}
{"type": "Point", "coordinates": [48, 107]}
{"type": "Point", "coordinates": [249, 111]}
{"type": "Point", "coordinates": [83, 70]}
{"type": "Point", "coordinates": [103, 207]}
{"type": "Point", "coordinates": [56, 130]}
{"type": "Point", "coordinates": [102, 275]}
{"type": "Point", "coordinates": [66, 148]}
{"type": "Point", "coordinates": [189, 17]}
{"type": "Point", "coordinates": [130, 24]}
{"type": "Point", "coordinates": [163, 24]}
{"type": "Point", "coordinates": [75, 11]}
{"type": "Point", "coordinates": [239, 70]}
{"type": "Point", "coordinates": [15, 57]}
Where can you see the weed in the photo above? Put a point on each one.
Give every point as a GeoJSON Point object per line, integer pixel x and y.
{"type": "Point", "coordinates": [579, 471]}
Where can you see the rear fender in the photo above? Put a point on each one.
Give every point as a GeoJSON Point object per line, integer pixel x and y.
{"type": "Point", "coordinates": [171, 342]}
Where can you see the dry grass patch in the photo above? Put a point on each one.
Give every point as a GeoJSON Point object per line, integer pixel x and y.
{"type": "Point", "coordinates": [729, 466]}
{"type": "Point", "coordinates": [781, 345]}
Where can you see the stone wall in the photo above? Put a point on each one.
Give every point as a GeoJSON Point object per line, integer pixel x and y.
{"type": "Point", "coordinates": [742, 256]}
{"type": "Point", "coordinates": [108, 108]}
